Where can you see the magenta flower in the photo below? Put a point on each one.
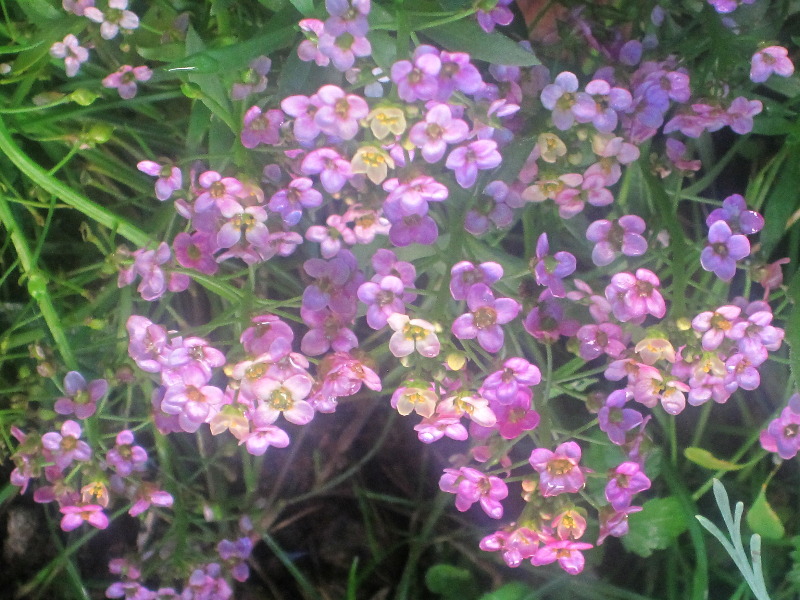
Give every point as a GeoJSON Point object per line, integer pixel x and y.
{"type": "Point", "coordinates": [268, 335]}
{"type": "Point", "coordinates": [517, 416]}
{"type": "Point", "coordinates": [559, 472]}
{"type": "Point", "coordinates": [566, 552]}
{"type": "Point", "coordinates": [124, 80]}
{"type": "Point", "coordinates": [75, 516]}
{"type": "Point", "coordinates": [471, 486]}
{"type": "Point", "coordinates": [196, 251]}
{"type": "Point", "coordinates": [485, 317]}
{"type": "Point", "coordinates": [504, 385]}
{"type": "Point", "coordinates": [331, 236]}
{"type": "Point", "coordinates": [327, 330]}
{"type": "Point", "coordinates": [603, 338]}
{"type": "Point", "coordinates": [723, 250]}
{"type": "Point", "coordinates": [715, 325]}
{"type": "Point", "coordinates": [634, 296]}
{"type": "Point", "coordinates": [342, 49]}
{"type": "Point", "coordinates": [458, 73]}
{"type": "Point", "coordinates": [625, 482]}
{"type": "Point", "coordinates": [614, 522]}
{"type": "Point", "coordinates": [219, 191]}
{"type": "Point", "coordinates": [739, 115]}
{"type": "Point", "coordinates": [169, 177]}
{"type": "Point", "coordinates": [465, 161]}
{"type": "Point", "coordinates": [81, 399]}
{"type": "Point", "coordinates": [438, 426]}
{"type": "Point", "coordinates": [262, 127]}
{"type": "Point", "coordinates": [514, 546]}
{"type": "Point", "coordinates": [781, 435]}
{"type": "Point", "coordinates": [147, 495]}
{"type": "Point", "coordinates": [72, 52]}
{"type": "Point", "coordinates": [773, 59]}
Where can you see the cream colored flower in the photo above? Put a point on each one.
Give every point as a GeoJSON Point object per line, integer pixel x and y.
{"type": "Point", "coordinates": [373, 161]}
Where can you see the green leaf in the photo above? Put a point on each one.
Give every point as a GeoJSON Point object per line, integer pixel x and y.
{"type": "Point", "coordinates": [162, 53]}
{"type": "Point", "coordinates": [793, 329]}
{"type": "Point", "coordinates": [788, 86]}
{"type": "Point", "coordinates": [763, 520]}
{"type": "Point", "coordinates": [771, 126]}
{"type": "Point", "coordinates": [704, 458]}
{"type": "Point", "coordinates": [656, 526]}
{"type": "Point", "coordinates": [467, 36]}
{"type": "Point", "coordinates": [384, 49]}
{"type": "Point", "coordinates": [516, 590]}
{"type": "Point", "coordinates": [304, 7]}
{"type": "Point", "coordinates": [781, 203]}
{"type": "Point", "coordinates": [450, 581]}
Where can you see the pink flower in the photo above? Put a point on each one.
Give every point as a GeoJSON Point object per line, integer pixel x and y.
{"type": "Point", "coordinates": [261, 127]}
{"type": "Point", "coordinates": [67, 446]}
{"type": "Point", "coordinates": [634, 296]}
{"type": "Point", "coordinates": [625, 481]}
{"type": "Point", "coordinates": [169, 177]}
{"type": "Point", "coordinates": [471, 486]}
{"type": "Point", "coordinates": [773, 59]}
{"type": "Point", "coordinates": [117, 17]}
{"type": "Point", "coordinates": [72, 52]}
{"type": "Point", "coordinates": [125, 78]}
{"type": "Point", "coordinates": [566, 552]}
{"type": "Point", "coordinates": [485, 317]}
{"type": "Point", "coordinates": [75, 516]}
{"type": "Point", "coordinates": [339, 113]}
{"type": "Point", "coordinates": [437, 130]}
{"type": "Point", "coordinates": [559, 472]}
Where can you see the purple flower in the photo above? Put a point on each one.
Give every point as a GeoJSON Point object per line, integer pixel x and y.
{"type": "Point", "coordinates": [723, 250]}
{"type": "Point", "coordinates": [253, 80]}
{"type": "Point", "coordinates": [117, 17]}
{"type": "Point", "coordinates": [457, 73]}
{"type": "Point", "coordinates": [559, 97]}
{"type": "Point", "coordinates": [418, 80]}
{"type": "Point", "coordinates": [621, 235]}
{"type": "Point", "coordinates": [494, 13]}
{"type": "Point", "coordinates": [599, 105]}
{"type": "Point", "coordinates": [734, 212]}
{"type": "Point", "coordinates": [550, 270]}
{"type": "Point", "coordinates": [485, 317]}
{"type": "Point", "coordinates": [773, 59]}
{"type": "Point", "coordinates": [290, 201]}
{"type": "Point", "coordinates": [124, 457]}
{"type": "Point", "coordinates": [626, 481]}
{"type": "Point", "coordinates": [465, 161]}
{"type": "Point", "coordinates": [615, 420]}
{"type": "Point", "coordinates": [502, 386]}
{"type": "Point", "coordinates": [463, 275]}
{"type": "Point", "coordinates": [383, 299]}
{"type": "Point", "coordinates": [81, 399]}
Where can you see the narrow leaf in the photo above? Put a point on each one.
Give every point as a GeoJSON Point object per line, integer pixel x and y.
{"type": "Point", "coordinates": [704, 458]}
{"type": "Point", "coordinates": [467, 36]}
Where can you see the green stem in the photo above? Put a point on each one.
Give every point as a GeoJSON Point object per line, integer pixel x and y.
{"type": "Point", "coordinates": [37, 284]}
{"type": "Point", "coordinates": [40, 177]}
